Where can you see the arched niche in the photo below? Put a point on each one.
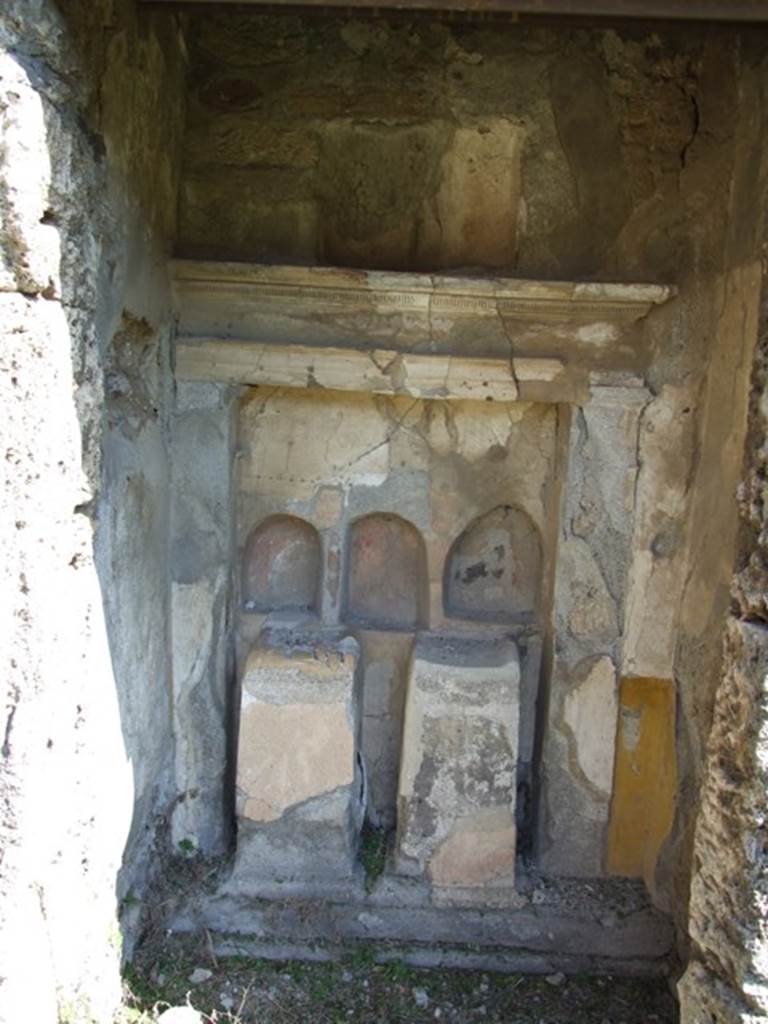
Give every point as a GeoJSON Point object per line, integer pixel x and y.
{"type": "Point", "coordinates": [386, 585]}
{"type": "Point", "coordinates": [493, 570]}
{"type": "Point", "coordinates": [281, 566]}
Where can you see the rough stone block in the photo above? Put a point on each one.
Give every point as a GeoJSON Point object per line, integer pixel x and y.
{"type": "Point", "coordinates": [458, 773]}
{"type": "Point", "coordinates": [298, 789]}
{"type": "Point", "coordinates": [726, 978]}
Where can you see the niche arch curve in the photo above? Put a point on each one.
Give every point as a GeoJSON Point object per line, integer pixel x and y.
{"type": "Point", "coordinates": [493, 568]}
{"type": "Point", "coordinates": [281, 566]}
{"type": "Point", "coordinates": [386, 582]}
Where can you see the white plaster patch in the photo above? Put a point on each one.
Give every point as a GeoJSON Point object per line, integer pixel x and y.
{"type": "Point", "coordinates": [590, 713]}
{"type": "Point", "coordinates": [598, 334]}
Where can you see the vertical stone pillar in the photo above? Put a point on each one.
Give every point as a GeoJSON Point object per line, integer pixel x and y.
{"type": "Point", "coordinates": [727, 978]}
{"type": "Point", "coordinates": [298, 795]}
{"type": "Point", "coordinates": [456, 799]}
{"type": "Point", "coordinates": [592, 563]}
{"type": "Point", "coordinates": [201, 561]}
{"type": "Point", "coordinates": [385, 660]}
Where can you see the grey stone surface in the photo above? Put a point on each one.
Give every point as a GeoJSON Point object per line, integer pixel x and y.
{"type": "Point", "coordinates": [87, 179]}
{"type": "Point", "coordinates": [201, 574]}
{"type": "Point", "coordinates": [609, 927]}
{"type": "Point", "coordinates": [593, 556]}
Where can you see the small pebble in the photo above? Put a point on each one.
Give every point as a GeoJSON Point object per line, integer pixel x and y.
{"type": "Point", "coordinates": [227, 1002]}
{"type": "Point", "coordinates": [199, 975]}
{"type": "Point", "coordinates": [555, 979]}
{"type": "Point", "coordinates": [420, 997]}
{"type": "Point", "coordinates": [180, 1015]}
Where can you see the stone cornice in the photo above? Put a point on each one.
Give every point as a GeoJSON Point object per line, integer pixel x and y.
{"type": "Point", "coordinates": [422, 293]}
{"type": "Point", "coordinates": [421, 335]}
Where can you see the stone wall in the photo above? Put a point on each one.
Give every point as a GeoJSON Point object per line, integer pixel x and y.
{"type": "Point", "coordinates": [538, 151]}
{"type": "Point", "coordinates": [90, 115]}
{"type": "Point", "coordinates": [727, 977]}
{"type": "Point", "coordinates": [385, 142]}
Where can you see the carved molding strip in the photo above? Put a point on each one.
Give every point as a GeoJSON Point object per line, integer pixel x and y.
{"type": "Point", "coordinates": [422, 335]}
{"type": "Point", "coordinates": [380, 371]}
{"type": "Point", "coordinates": [358, 290]}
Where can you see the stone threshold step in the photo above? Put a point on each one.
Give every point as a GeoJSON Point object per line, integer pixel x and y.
{"type": "Point", "coordinates": [610, 928]}
{"type": "Point", "coordinates": [435, 956]}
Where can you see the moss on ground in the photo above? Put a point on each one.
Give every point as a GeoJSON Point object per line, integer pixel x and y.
{"type": "Point", "coordinates": [243, 990]}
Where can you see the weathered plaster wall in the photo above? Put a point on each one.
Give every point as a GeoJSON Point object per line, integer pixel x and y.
{"type": "Point", "coordinates": [727, 978]}
{"type": "Point", "coordinates": [618, 153]}
{"type": "Point", "coordinates": [355, 142]}
{"type": "Point", "coordinates": [90, 109]}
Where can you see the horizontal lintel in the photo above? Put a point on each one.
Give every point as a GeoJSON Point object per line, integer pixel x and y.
{"type": "Point", "coordinates": [755, 11]}
{"type": "Point", "coordinates": [378, 371]}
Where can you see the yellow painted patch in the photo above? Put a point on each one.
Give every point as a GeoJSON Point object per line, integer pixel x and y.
{"type": "Point", "coordinates": [645, 777]}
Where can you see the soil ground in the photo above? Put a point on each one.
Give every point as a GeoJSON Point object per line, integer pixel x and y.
{"type": "Point", "coordinates": [356, 989]}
